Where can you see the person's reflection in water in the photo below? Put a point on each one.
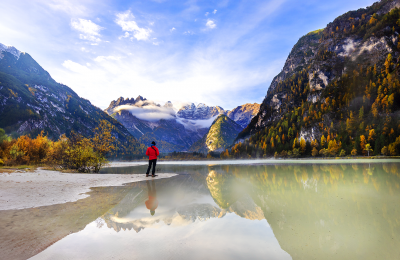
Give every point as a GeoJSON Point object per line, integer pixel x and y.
{"type": "Point", "coordinates": [152, 202]}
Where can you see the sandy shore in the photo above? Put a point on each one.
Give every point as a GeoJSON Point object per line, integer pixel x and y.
{"type": "Point", "coordinates": [20, 189]}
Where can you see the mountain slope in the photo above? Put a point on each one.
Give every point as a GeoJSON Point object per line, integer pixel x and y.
{"type": "Point", "coordinates": [221, 134]}
{"type": "Point", "coordinates": [337, 84]}
{"type": "Point", "coordinates": [134, 125]}
{"type": "Point", "coordinates": [172, 136]}
{"type": "Point", "coordinates": [31, 101]}
{"type": "Point", "coordinates": [243, 114]}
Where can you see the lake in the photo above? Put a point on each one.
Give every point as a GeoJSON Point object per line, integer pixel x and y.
{"type": "Point", "coordinates": [286, 210]}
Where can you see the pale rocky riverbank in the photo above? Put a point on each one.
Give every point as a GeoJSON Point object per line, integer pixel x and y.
{"type": "Point", "coordinates": [20, 189]}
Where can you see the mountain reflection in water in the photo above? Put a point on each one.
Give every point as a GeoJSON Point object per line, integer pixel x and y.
{"type": "Point", "coordinates": [347, 211]}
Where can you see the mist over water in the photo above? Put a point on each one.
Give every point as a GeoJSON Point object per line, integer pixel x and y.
{"type": "Point", "coordinates": [264, 211]}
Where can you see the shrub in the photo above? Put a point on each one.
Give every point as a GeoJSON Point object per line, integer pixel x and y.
{"type": "Point", "coordinates": [77, 152]}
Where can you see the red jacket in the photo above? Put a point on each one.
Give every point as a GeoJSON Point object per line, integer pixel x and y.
{"type": "Point", "coordinates": [151, 203]}
{"type": "Point", "coordinates": [152, 153]}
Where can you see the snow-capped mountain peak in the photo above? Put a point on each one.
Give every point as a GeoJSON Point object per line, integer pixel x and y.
{"type": "Point", "coordinates": [9, 49]}
{"type": "Point", "coordinates": [199, 112]}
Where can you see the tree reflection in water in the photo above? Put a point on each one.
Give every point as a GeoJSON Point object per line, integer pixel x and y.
{"type": "Point", "coordinates": [322, 211]}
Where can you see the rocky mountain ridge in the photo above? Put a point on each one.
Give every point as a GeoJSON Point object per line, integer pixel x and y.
{"type": "Point", "coordinates": [199, 112]}
{"type": "Point", "coordinates": [121, 101]}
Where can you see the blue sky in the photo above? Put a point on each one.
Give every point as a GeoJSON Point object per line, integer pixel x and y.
{"type": "Point", "coordinates": [216, 52]}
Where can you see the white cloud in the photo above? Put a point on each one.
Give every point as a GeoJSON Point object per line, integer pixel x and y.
{"type": "Point", "coordinates": [104, 58]}
{"type": "Point", "coordinates": [126, 35]}
{"type": "Point", "coordinates": [75, 67]}
{"type": "Point", "coordinates": [89, 29]}
{"type": "Point", "coordinates": [206, 14]}
{"type": "Point", "coordinates": [89, 38]}
{"type": "Point", "coordinates": [172, 29]}
{"type": "Point", "coordinates": [156, 42]}
{"type": "Point", "coordinates": [125, 20]}
{"type": "Point", "coordinates": [196, 124]}
{"type": "Point", "coordinates": [210, 24]}
{"type": "Point", "coordinates": [148, 111]}
{"type": "Point", "coordinates": [188, 33]}
{"type": "Point", "coordinates": [215, 11]}
{"type": "Point", "coordinates": [86, 26]}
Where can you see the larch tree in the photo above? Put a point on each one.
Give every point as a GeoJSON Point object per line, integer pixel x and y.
{"type": "Point", "coordinates": [303, 145]}
{"type": "Point", "coordinates": [368, 148]}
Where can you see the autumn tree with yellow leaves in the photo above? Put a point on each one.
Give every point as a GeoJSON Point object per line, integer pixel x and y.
{"type": "Point", "coordinates": [75, 152]}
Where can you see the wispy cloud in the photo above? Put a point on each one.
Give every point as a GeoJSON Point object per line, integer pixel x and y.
{"type": "Point", "coordinates": [104, 58]}
{"type": "Point", "coordinates": [207, 13]}
{"type": "Point", "coordinates": [127, 23]}
{"type": "Point", "coordinates": [73, 8]}
{"type": "Point", "coordinates": [215, 11]}
{"type": "Point", "coordinates": [75, 67]}
{"type": "Point", "coordinates": [90, 30]}
{"type": "Point", "coordinates": [172, 29]}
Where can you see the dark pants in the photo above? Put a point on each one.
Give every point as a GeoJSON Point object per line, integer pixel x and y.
{"type": "Point", "coordinates": [154, 162]}
{"type": "Point", "coordinates": [151, 192]}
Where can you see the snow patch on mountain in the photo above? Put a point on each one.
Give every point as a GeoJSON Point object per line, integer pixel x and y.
{"type": "Point", "coordinates": [138, 129]}
{"type": "Point", "coordinates": [9, 49]}
{"type": "Point", "coordinates": [199, 112]}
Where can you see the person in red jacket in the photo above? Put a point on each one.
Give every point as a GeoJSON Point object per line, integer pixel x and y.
{"type": "Point", "coordinates": [152, 152]}
{"type": "Point", "coordinates": [152, 202]}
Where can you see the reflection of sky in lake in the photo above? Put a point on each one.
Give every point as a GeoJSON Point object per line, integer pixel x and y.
{"type": "Point", "coordinates": [229, 238]}
{"type": "Point", "coordinates": [319, 211]}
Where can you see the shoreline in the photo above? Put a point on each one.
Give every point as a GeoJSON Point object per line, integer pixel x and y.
{"type": "Point", "coordinates": [31, 189]}
{"type": "Point", "coordinates": [328, 160]}
{"type": "Point", "coordinates": [145, 161]}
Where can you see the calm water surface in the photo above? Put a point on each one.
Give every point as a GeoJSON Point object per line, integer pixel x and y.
{"type": "Point", "coordinates": [294, 211]}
